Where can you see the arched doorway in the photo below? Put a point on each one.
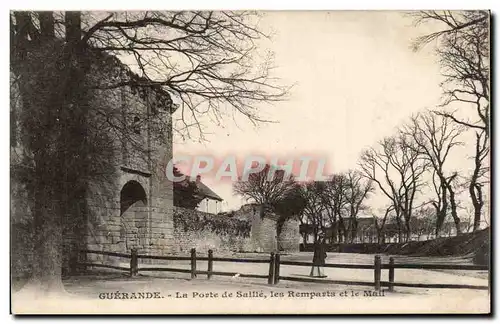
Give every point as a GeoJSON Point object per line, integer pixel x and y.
{"type": "Point", "coordinates": [131, 193]}
{"type": "Point", "coordinates": [133, 216]}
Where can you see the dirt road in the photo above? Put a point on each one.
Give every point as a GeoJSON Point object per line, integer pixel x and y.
{"type": "Point", "coordinates": [176, 293]}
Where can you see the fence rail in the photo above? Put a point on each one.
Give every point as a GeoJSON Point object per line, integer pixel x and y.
{"type": "Point", "coordinates": [330, 265]}
{"type": "Point", "coordinates": [436, 266]}
{"type": "Point", "coordinates": [273, 276]}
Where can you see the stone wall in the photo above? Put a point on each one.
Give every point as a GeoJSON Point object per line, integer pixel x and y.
{"type": "Point", "coordinates": [264, 230]}
{"type": "Point", "coordinates": [264, 234]}
{"type": "Point", "coordinates": [290, 236]}
{"type": "Point", "coordinates": [203, 231]}
{"type": "Point", "coordinates": [244, 230]}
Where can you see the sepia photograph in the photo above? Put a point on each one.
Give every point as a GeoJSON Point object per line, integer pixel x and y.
{"type": "Point", "coordinates": [250, 162]}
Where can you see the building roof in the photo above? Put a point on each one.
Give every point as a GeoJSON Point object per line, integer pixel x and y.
{"type": "Point", "coordinates": [203, 190]}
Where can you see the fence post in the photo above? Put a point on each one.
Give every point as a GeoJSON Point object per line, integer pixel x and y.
{"type": "Point", "coordinates": [133, 262]}
{"type": "Point", "coordinates": [391, 274]}
{"type": "Point", "coordinates": [193, 263]}
{"type": "Point", "coordinates": [377, 272]}
{"type": "Point", "coordinates": [270, 278]}
{"type": "Point", "coordinates": [82, 259]}
{"type": "Point", "coordinates": [277, 268]}
{"type": "Point", "coordinates": [74, 257]}
{"type": "Point", "coordinates": [210, 263]}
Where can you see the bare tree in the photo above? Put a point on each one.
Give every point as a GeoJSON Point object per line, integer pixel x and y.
{"type": "Point", "coordinates": [479, 177]}
{"type": "Point", "coordinates": [463, 48]}
{"type": "Point", "coordinates": [434, 136]}
{"type": "Point", "coordinates": [376, 166]}
{"type": "Point", "coordinates": [342, 196]}
{"type": "Point", "coordinates": [333, 199]}
{"type": "Point", "coordinates": [262, 189]}
{"type": "Point", "coordinates": [204, 60]}
{"type": "Point", "coordinates": [380, 223]}
{"type": "Point", "coordinates": [314, 209]}
{"type": "Point", "coordinates": [397, 170]}
{"type": "Point", "coordinates": [411, 169]}
{"type": "Point", "coordinates": [358, 189]}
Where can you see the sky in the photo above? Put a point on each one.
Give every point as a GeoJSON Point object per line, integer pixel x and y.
{"type": "Point", "coordinates": [355, 79]}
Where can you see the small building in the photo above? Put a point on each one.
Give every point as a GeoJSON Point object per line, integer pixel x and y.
{"type": "Point", "coordinates": [209, 201]}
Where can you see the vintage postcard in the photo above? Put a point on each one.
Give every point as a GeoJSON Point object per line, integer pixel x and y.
{"type": "Point", "coordinates": [238, 162]}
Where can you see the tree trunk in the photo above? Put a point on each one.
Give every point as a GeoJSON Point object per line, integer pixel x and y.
{"type": "Point", "coordinates": [72, 23]}
{"type": "Point", "coordinates": [476, 202]}
{"type": "Point", "coordinates": [47, 234]}
{"type": "Point", "coordinates": [441, 213]}
{"type": "Point", "coordinates": [47, 30]}
{"type": "Point", "coordinates": [475, 189]}
{"type": "Point", "coordinates": [454, 213]}
{"type": "Point", "coordinates": [339, 230]}
{"type": "Point", "coordinates": [398, 221]}
{"type": "Point", "coordinates": [477, 217]}
{"type": "Point", "coordinates": [47, 259]}
{"type": "Point", "coordinates": [408, 230]}
{"type": "Point", "coordinates": [354, 229]}
{"type": "Point", "coordinates": [47, 226]}
{"type": "Point", "coordinates": [453, 205]}
{"type": "Point", "coordinates": [304, 238]}
{"type": "Point", "coordinates": [51, 159]}
{"type": "Point", "coordinates": [334, 230]}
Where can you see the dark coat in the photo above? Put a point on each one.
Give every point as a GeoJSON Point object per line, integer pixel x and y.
{"type": "Point", "coordinates": [319, 257]}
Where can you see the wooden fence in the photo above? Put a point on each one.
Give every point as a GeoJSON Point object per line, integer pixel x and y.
{"type": "Point", "coordinates": [273, 275]}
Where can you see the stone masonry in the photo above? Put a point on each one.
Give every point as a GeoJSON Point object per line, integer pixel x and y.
{"type": "Point", "coordinates": [131, 207]}
{"type": "Point", "coordinates": [135, 209]}
{"type": "Point", "coordinates": [244, 230]}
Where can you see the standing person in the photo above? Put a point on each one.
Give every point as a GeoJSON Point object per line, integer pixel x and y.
{"type": "Point", "coordinates": [319, 258]}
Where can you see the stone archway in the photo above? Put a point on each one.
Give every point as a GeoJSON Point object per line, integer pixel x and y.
{"type": "Point", "coordinates": [133, 216]}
